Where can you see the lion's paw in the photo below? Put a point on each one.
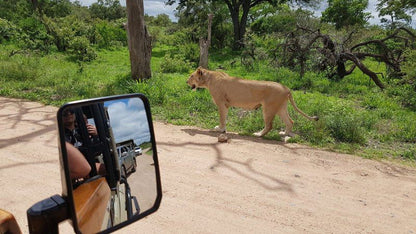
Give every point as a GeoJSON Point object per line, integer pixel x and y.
{"type": "Point", "coordinates": [218, 129]}
{"type": "Point", "coordinates": [286, 139]}
{"type": "Point", "coordinates": [257, 134]}
{"type": "Point", "coordinates": [284, 133]}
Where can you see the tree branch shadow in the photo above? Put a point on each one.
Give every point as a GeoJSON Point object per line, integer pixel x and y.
{"type": "Point", "coordinates": [293, 148]}
{"type": "Point", "coordinates": [232, 165]}
{"type": "Point", "coordinates": [13, 120]}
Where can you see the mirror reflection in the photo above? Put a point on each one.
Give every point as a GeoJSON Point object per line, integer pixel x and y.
{"type": "Point", "coordinates": [110, 160]}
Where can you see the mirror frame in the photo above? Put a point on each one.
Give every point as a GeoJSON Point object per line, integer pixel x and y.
{"type": "Point", "coordinates": [65, 177]}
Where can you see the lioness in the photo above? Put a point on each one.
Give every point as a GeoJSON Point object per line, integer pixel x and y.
{"type": "Point", "coordinates": [227, 91]}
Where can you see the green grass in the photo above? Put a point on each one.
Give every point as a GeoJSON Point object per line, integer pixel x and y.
{"type": "Point", "coordinates": [355, 116]}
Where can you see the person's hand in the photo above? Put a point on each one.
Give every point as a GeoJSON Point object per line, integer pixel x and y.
{"type": "Point", "coordinates": [92, 130]}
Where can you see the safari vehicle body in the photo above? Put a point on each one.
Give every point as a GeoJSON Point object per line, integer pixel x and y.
{"type": "Point", "coordinates": [101, 202]}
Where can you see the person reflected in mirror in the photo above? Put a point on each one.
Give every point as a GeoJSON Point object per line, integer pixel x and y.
{"type": "Point", "coordinates": [78, 165]}
{"type": "Point", "coordinates": [74, 138]}
{"type": "Point", "coordinates": [72, 134]}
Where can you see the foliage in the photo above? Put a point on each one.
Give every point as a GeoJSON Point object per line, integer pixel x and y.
{"type": "Point", "coordinates": [81, 49]}
{"type": "Point", "coordinates": [159, 20]}
{"type": "Point", "coordinates": [344, 126]}
{"type": "Point", "coordinates": [109, 34]}
{"type": "Point", "coordinates": [346, 13]}
{"type": "Point", "coordinates": [240, 11]}
{"type": "Point", "coordinates": [8, 31]}
{"type": "Point", "coordinates": [405, 89]}
{"type": "Point", "coordinates": [107, 10]}
{"type": "Point", "coordinates": [282, 20]}
{"type": "Point", "coordinates": [397, 11]}
{"type": "Point", "coordinates": [34, 35]}
{"type": "Point", "coordinates": [63, 30]}
{"type": "Point", "coordinates": [54, 9]}
{"type": "Point", "coordinates": [175, 64]}
{"type": "Point", "coordinates": [193, 18]}
{"type": "Point", "coordinates": [15, 10]}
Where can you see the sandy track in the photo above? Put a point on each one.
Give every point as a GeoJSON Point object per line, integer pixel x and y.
{"type": "Point", "coordinates": [248, 185]}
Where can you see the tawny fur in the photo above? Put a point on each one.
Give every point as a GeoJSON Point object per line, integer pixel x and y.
{"type": "Point", "coordinates": [227, 91]}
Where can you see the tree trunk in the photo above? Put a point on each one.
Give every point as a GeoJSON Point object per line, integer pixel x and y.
{"type": "Point", "coordinates": [236, 27]}
{"type": "Point", "coordinates": [139, 41]}
{"type": "Point", "coordinates": [204, 46]}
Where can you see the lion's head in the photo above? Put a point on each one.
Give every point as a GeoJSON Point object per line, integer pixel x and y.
{"type": "Point", "coordinates": [196, 79]}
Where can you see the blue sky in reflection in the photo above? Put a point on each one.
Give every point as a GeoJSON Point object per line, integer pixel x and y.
{"type": "Point", "coordinates": [128, 120]}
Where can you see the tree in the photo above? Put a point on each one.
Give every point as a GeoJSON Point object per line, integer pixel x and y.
{"type": "Point", "coordinates": [204, 45]}
{"type": "Point", "coordinates": [239, 11]}
{"type": "Point", "coordinates": [398, 10]}
{"type": "Point", "coordinates": [107, 9]}
{"type": "Point", "coordinates": [192, 16]}
{"type": "Point", "coordinates": [332, 56]}
{"type": "Point", "coordinates": [52, 8]}
{"type": "Point", "coordinates": [15, 10]}
{"type": "Point", "coordinates": [345, 13]}
{"type": "Point", "coordinates": [162, 20]}
{"type": "Point", "coordinates": [139, 41]}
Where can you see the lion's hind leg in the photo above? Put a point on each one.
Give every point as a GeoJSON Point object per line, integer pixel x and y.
{"type": "Point", "coordinates": [284, 115]}
{"type": "Point", "coordinates": [268, 122]}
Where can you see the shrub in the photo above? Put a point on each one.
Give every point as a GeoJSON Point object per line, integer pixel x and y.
{"type": "Point", "coordinates": [34, 35]}
{"type": "Point", "coordinates": [109, 34]}
{"type": "Point", "coordinates": [190, 52]}
{"type": "Point", "coordinates": [8, 31]}
{"type": "Point", "coordinates": [344, 124]}
{"type": "Point", "coordinates": [175, 64]}
{"type": "Point", "coordinates": [406, 88]}
{"type": "Point", "coordinates": [81, 49]}
{"type": "Point", "coordinates": [405, 127]}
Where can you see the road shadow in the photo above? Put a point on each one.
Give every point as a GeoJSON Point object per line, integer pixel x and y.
{"type": "Point", "coordinates": [249, 172]}
{"type": "Point", "coordinates": [231, 135]}
{"type": "Point", "coordinates": [13, 120]}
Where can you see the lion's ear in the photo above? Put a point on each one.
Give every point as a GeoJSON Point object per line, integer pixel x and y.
{"type": "Point", "coordinates": [200, 71]}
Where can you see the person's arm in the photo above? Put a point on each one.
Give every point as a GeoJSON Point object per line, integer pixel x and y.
{"type": "Point", "coordinates": [78, 165]}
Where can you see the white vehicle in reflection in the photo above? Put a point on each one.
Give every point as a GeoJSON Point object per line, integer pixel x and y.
{"type": "Point", "coordinates": [127, 157]}
{"type": "Point", "coordinates": [138, 151]}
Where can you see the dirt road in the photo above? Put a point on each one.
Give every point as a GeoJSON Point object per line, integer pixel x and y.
{"type": "Point", "coordinates": [248, 185]}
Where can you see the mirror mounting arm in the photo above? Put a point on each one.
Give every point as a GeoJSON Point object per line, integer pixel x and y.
{"type": "Point", "coordinates": [45, 215]}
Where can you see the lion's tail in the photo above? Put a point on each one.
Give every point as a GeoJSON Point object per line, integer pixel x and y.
{"type": "Point", "coordinates": [316, 118]}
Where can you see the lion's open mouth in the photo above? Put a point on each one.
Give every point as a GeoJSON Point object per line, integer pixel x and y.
{"type": "Point", "coordinates": [193, 87]}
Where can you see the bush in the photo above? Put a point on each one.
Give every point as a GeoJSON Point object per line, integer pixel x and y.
{"type": "Point", "coordinates": [109, 34]}
{"type": "Point", "coordinates": [190, 52]}
{"type": "Point", "coordinates": [175, 64]}
{"type": "Point", "coordinates": [81, 49]}
{"type": "Point", "coordinates": [34, 35]}
{"type": "Point", "coordinates": [8, 31]}
{"type": "Point", "coordinates": [344, 124]}
{"type": "Point", "coordinates": [406, 89]}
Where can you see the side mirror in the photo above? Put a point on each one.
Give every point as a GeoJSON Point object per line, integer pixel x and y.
{"type": "Point", "coordinates": [110, 171]}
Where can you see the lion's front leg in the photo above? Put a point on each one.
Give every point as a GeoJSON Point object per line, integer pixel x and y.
{"type": "Point", "coordinates": [223, 118]}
